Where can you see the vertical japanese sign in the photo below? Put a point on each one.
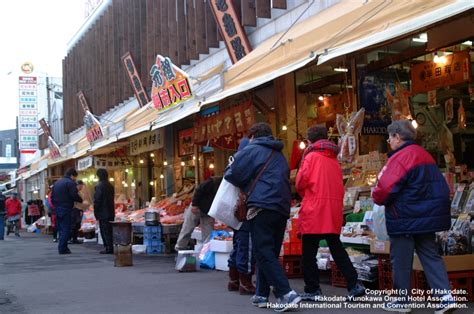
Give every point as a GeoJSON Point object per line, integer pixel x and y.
{"type": "Point", "coordinates": [28, 115]}
{"type": "Point", "coordinates": [170, 84]}
{"type": "Point", "coordinates": [93, 128]}
{"type": "Point", "coordinates": [135, 80]}
{"type": "Point", "coordinates": [54, 151]}
{"type": "Point", "coordinates": [231, 30]}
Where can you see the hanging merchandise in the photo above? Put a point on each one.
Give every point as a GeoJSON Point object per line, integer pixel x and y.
{"type": "Point", "coordinates": [349, 129]}
{"type": "Point", "coordinates": [432, 98]}
{"type": "Point", "coordinates": [448, 110]}
{"type": "Point", "coordinates": [399, 102]}
{"type": "Point", "coordinates": [461, 116]}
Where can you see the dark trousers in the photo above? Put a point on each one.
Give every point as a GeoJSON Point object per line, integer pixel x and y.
{"type": "Point", "coordinates": [2, 225]}
{"type": "Point", "coordinates": [76, 219]}
{"type": "Point", "coordinates": [63, 221]}
{"type": "Point", "coordinates": [267, 232]}
{"type": "Point", "coordinates": [241, 256]}
{"type": "Point", "coordinates": [401, 255]}
{"type": "Point", "coordinates": [310, 266]}
{"type": "Point", "coordinates": [106, 234]}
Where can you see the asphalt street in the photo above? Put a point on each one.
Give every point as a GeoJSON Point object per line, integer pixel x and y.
{"type": "Point", "coordinates": [35, 279]}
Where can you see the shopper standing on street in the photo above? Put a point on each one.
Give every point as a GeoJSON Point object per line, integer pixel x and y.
{"type": "Point", "coordinates": [63, 196]}
{"type": "Point", "coordinates": [2, 215]}
{"type": "Point", "coordinates": [416, 199]}
{"type": "Point", "coordinates": [104, 209]}
{"type": "Point", "coordinates": [13, 207]}
{"type": "Point", "coordinates": [242, 261]}
{"type": "Point", "coordinates": [269, 209]}
{"type": "Point", "coordinates": [319, 182]}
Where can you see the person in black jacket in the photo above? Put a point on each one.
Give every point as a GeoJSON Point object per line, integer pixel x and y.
{"type": "Point", "coordinates": [2, 215]}
{"type": "Point", "coordinates": [197, 214]}
{"type": "Point", "coordinates": [104, 209]}
{"type": "Point", "coordinates": [64, 195]}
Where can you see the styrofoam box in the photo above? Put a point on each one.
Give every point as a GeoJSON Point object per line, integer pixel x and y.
{"type": "Point", "coordinates": [222, 260]}
{"type": "Point", "coordinates": [221, 246]}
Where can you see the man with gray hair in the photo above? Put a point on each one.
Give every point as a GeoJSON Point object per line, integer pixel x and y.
{"type": "Point", "coordinates": [416, 199]}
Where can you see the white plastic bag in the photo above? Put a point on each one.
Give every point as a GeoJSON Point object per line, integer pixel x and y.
{"type": "Point", "coordinates": [223, 206]}
{"type": "Point", "coordinates": [378, 218]}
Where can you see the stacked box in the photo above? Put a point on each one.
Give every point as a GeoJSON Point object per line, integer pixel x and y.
{"type": "Point", "coordinates": [292, 246]}
{"type": "Point", "coordinates": [152, 239]}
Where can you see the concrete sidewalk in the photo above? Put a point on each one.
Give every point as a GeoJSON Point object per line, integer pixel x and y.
{"type": "Point", "coordinates": [34, 278]}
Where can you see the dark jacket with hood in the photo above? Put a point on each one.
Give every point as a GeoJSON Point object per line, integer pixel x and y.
{"type": "Point", "coordinates": [205, 193]}
{"type": "Point", "coordinates": [65, 193]}
{"type": "Point", "coordinates": [2, 204]}
{"type": "Point", "coordinates": [272, 191]}
{"type": "Point", "coordinates": [104, 206]}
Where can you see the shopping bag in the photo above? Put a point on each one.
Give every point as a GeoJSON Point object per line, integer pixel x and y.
{"type": "Point", "coordinates": [223, 206]}
{"type": "Point", "coordinates": [378, 218]}
{"type": "Point", "coordinates": [207, 257]}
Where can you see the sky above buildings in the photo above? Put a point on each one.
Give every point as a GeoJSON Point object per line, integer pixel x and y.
{"type": "Point", "coordinates": [37, 31]}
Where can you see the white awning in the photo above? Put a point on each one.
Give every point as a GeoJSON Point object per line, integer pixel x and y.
{"type": "Point", "coordinates": [418, 21]}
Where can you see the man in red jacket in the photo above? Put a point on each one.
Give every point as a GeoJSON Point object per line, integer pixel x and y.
{"type": "Point", "coordinates": [319, 182]}
{"type": "Point", "coordinates": [13, 208]}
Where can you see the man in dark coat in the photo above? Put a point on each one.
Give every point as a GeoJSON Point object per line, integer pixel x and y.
{"type": "Point", "coordinates": [269, 209]}
{"type": "Point", "coordinates": [416, 199]}
{"type": "Point", "coordinates": [63, 196]}
{"type": "Point", "coordinates": [104, 209]}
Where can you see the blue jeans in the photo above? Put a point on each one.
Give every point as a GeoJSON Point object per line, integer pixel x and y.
{"type": "Point", "coordinates": [241, 256]}
{"type": "Point", "coordinates": [2, 226]}
{"type": "Point", "coordinates": [401, 255]}
{"type": "Point", "coordinates": [267, 232]}
{"type": "Point", "coordinates": [63, 221]}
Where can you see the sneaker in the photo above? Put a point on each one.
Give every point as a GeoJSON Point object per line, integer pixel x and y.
{"type": "Point", "coordinates": [311, 296]}
{"type": "Point", "coordinates": [259, 301]}
{"type": "Point", "coordinates": [55, 240]}
{"type": "Point", "coordinates": [447, 305]}
{"type": "Point", "coordinates": [288, 301]}
{"type": "Point", "coordinates": [397, 307]}
{"type": "Point", "coordinates": [357, 291]}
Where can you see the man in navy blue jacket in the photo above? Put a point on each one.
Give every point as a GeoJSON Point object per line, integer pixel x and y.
{"type": "Point", "coordinates": [269, 209]}
{"type": "Point", "coordinates": [64, 195]}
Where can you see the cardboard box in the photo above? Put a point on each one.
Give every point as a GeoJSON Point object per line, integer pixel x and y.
{"type": "Point", "coordinates": [379, 247]}
{"type": "Point", "coordinates": [222, 261]}
{"type": "Point", "coordinates": [221, 246]}
{"type": "Point", "coordinates": [452, 262]}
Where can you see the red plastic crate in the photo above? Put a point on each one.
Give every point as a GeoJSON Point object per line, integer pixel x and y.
{"type": "Point", "coordinates": [292, 266]}
{"type": "Point", "coordinates": [385, 273]}
{"type": "Point", "coordinates": [337, 278]}
{"type": "Point", "coordinates": [457, 280]}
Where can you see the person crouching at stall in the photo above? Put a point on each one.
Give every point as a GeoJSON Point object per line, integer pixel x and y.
{"type": "Point", "coordinates": [241, 261]}
{"type": "Point", "coordinates": [197, 213]}
{"type": "Point", "coordinates": [319, 182]}
{"type": "Point", "coordinates": [33, 212]}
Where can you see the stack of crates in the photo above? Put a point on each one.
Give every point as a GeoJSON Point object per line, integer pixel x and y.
{"type": "Point", "coordinates": [152, 239]}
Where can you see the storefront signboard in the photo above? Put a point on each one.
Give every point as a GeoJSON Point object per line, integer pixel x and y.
{"type": "Point", "coordinates": [146, 142]}
{"type": "Point", "coordinates": [450, 70]}
{"type": "Point", "coordinates": [185, 142]}
{"type": "Point", "coordinates": [170, 84]}
{"type": "Point", "coordinates": [28, 114]}
{"type": "Point", "coordinates": [234, 35]}
{"type": "Point", "coordinates": [224, 128]}
{"type": "Point", "coordinates": [85, 163]}
{"type": "Point", "coordinates": [109, 163]}
{"type": "Point", "coordinates": [94, 130]}
{"type": "Point", "coordinates": [135, 80]}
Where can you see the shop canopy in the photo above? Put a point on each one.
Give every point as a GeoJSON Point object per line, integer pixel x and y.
{"type": "Point", "coordinates": [342, 28]}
